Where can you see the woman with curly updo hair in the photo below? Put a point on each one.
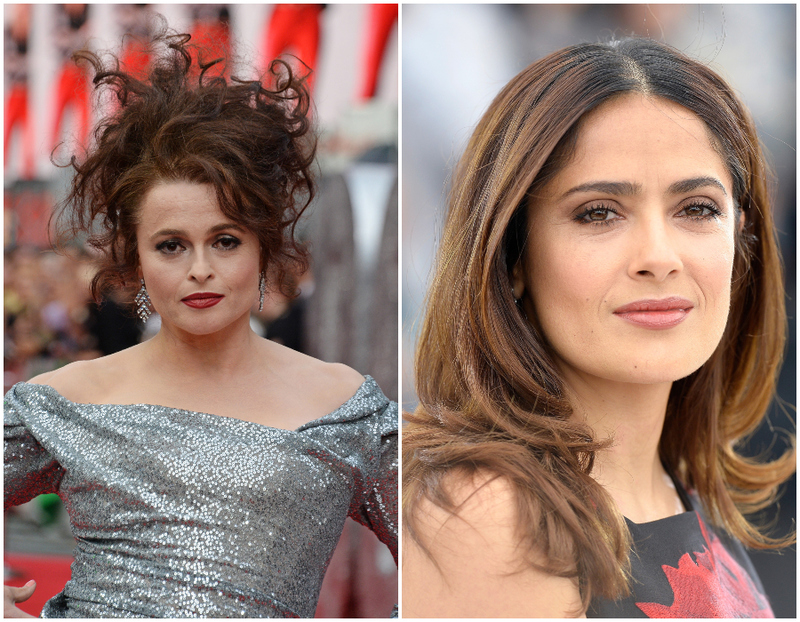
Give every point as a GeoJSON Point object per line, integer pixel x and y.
{"type": "Point", "coordinates": [604, 325]}
{"type": "Point", "coordinates": [207, 471]}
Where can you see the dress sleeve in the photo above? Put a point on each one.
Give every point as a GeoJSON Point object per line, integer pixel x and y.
{"type": "Point", "coordinates": [377, 507]}
{"type": "Point", "coordinates": [28, 469]}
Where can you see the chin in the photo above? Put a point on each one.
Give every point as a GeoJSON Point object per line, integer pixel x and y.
{"type": "Point", "coordinates": [199, 327]}
{"type": "Point", "coordinates": [651, 376]}
{"type": "Point", "coordinates": [653, 370]}
{"type": "Point", "coordinates": [629, 363]}
{"type": "Point", "coordinates": [666, 360]}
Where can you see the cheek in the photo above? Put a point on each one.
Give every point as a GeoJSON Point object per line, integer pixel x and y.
{"type": "Point", "coordinates": [712, 267]}
{"type": "Point", "coordinates": [161, 282]}
{"type": "Point", "coordinates": [567, 284]}
{"type": "Point", "coordinates": [247, 267]}
{"type": "Point", "coordinates": [568, 281]}
{"type": "Point", "coordinates": [240, 274]}
{"type": "Point", "coordinates": [162, 275]}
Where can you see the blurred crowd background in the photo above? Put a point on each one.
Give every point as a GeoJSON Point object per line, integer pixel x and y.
{"type": "Point", "coordinates": [347, 309]}
{"type": "Point", "coordinates": [456, 58]}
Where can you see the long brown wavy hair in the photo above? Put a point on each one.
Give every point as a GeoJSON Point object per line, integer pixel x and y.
{"type": "Point", "coordinates": [185, 120]}
{"type": "Point", "coordinates": [491, 397]}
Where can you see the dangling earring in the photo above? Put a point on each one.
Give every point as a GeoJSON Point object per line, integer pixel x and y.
{"type": "Point", "coordinates": [262, 289]}
{"type": "Point", "coordinates": [143, 303]}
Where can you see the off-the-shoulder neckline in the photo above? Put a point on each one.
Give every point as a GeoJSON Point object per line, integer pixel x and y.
{"type": "Point", "coordinates": [365, 389]}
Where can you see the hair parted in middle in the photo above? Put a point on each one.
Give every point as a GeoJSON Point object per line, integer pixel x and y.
{"type": "Point", "coordinates": [491, 397]}
{"type": "Point", "coordinates": [186, 121]}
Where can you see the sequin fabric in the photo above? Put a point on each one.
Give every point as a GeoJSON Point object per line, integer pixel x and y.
{"type": "Point", "coordinates": [186, 514]}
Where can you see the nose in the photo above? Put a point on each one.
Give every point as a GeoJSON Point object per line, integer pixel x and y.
{"type": "Point", "coordinates": [200, 269]}
{"type": "Point", "coordinates": [655, 253]}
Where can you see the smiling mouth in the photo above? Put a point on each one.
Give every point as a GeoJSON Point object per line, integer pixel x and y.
{"type": "Point", "coordinates": [656, 314]}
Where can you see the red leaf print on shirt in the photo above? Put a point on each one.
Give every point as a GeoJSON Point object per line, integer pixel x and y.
{"type": "Point", "coordinates": [714, 586]}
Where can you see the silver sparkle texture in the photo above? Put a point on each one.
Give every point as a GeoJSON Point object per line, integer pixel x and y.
{"type": "Point", "coordinates": [186, 514]}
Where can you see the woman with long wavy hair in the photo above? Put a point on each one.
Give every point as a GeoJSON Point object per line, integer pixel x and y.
{"type": "Point", "coordinates": [605, 322]}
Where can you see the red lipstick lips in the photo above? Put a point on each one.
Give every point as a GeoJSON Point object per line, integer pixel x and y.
{"type": "Point", "coordinates": [202, 300]}
{"type": "Point", "coordinates": [656, 314]}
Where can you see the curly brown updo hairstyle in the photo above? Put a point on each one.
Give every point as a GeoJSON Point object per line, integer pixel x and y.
{"type": "Point", "coordinates": [185, 121]}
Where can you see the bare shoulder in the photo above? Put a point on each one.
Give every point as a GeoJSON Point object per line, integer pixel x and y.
{"type": "Point", "coordinates": [328, 385]}
{"type": "Point", "coordinates": [84, 381]}
{"type": "Point", "coordinates": [472, 563]}
{"type": "Point", "coordinates": [485, 513]}
{"type": "Point", "coordinates": [337, 375]}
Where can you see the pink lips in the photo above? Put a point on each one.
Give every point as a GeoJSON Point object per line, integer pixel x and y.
{"type": "Point", "coordinates": [202, 300]}
{"type": "Point", "coordinates": [656, 314]}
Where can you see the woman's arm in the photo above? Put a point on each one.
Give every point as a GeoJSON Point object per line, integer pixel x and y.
{"type": "Point", "coordinates": [477, 566]}
{"type": "Point", "coordinates": [377, 506]}
{"type": "Point", "coordinates": [28, 468]}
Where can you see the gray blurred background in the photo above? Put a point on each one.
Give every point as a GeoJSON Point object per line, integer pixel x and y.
{"type": "Point", "coordinates": [455, 59]}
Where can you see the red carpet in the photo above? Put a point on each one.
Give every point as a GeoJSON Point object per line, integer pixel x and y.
{"type": "Point", "coordinates": [50, 572]}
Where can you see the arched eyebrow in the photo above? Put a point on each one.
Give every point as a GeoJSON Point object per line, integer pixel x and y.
{"type": "Point", "coordinates": [687, 185]}
{"type": "Point", "coordinates": [618, 188]}
{"type": "Point", "coordinates": [626, 188]}
{"type": "Point", "coordinates": [216, 229]}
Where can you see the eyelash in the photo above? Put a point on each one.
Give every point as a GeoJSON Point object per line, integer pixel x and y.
{"type": "Point", "coordinates": [715, 212]}
{"type": "Point", "coordinates": [582, 218]}
{"type": "Point", "coordinates": [234, 243]}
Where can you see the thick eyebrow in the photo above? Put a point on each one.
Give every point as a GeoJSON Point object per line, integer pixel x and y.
{"type": "Point", "coordinates": [620, 188]}
{"type": "Point", "coordinates": [215, 229]}
{"type": "Point", "coordinates": [626, 188]}
{"type": "Point", "coordinates": [687, 185]}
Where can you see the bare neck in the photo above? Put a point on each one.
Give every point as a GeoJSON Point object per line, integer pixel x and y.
{"type": "Point", "coordinates": [226, 353]}
{"type": "Point", "coordinates": [630, 470]}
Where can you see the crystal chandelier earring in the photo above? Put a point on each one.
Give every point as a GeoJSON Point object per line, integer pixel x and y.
{"type": "Point", "coordinates": [262, 289]}
{"type": "Point", "coordinates": [143, 303]}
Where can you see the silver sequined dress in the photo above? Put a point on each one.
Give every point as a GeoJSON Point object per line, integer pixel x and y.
{"type": "Point", "coordinates": [186, 514]}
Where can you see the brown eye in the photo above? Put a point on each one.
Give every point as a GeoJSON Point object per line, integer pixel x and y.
{"type": "Point", "coordinates": [700, 211]}
{"type": "Point", "coordinates": [169, 247]}
{"type": "Point", "coordinates": [227, 243]}
{"type": "Point", "coordinates": [598, 216]}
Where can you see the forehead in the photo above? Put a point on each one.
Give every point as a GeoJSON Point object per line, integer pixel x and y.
{"type": "Point", "coordinates": [179, 202]}
{"type": "Point", "coordinates": [646, 140]}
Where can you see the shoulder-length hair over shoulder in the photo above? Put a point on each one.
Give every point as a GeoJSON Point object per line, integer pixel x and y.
{"type": "Point", "coordinates": [491, 397]}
